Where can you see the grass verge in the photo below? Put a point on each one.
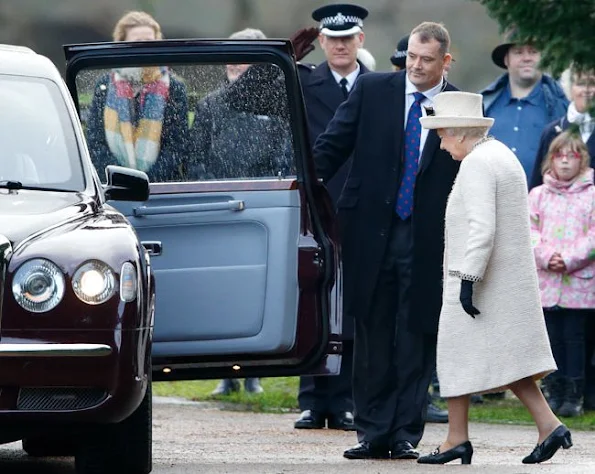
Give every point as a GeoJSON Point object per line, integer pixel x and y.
{"type": "Point", "coordinates": [280, 397]}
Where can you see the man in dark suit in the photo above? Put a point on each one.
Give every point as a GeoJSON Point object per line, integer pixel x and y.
{"type": "Point", "coordinates": [391, 215]}
{"type": "Point", "coordinates": [328, 399]}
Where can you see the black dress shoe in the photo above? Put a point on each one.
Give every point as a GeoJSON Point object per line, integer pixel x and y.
{"type": "Point", "coordinates": [403, 450]}
{"type": "Point", "coordinates": [463, 451]}
{"type": "Point", "coordinates": [559, 438]}
{"type": "Point", "coordinates": [365, 450]}
{"type": "Point", "coordinates": [436, 415]}
{"type": "Point", "coordinates": [310, 420]}
{"type": "Point", "coordinates": [341, 421]}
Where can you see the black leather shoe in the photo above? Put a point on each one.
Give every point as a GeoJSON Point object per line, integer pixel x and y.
{"type": "Point", "coordinates": [463, 451]}
{"type": "Point", "coordinates": [310, 420]}
{"type": "Point", "coordinates": [436, 415]}
{"type": "Point", "coordinates": [559, 438]}
{"type": "Point", "coordinates": [341, 421]}
{"type": "Point", "coordinates": [365, 450]}
{"type": "Point", "coordinates": [403, 450]}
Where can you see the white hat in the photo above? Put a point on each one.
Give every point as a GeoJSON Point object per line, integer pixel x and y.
{"type": "Point", "coordinates": [456, 109]}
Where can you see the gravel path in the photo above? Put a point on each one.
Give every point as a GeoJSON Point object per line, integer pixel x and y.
{"type": "Point", "coordinates": [201, 438]}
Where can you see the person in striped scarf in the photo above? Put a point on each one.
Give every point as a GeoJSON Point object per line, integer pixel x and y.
{"type": "Point", "coordinates": [139, 115]}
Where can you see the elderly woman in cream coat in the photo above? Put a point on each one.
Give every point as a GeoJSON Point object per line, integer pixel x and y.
{"type": "Point", "coordinates": [492, 333]}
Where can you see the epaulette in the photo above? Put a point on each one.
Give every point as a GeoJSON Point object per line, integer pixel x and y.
{"type": "Point", "coordinates": [308, 66]}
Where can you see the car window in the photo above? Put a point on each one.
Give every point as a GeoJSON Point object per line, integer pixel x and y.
{"type": "Point", "coordinates": [189, 123]}
{"type": "Point", "coordinates": [38, 145]}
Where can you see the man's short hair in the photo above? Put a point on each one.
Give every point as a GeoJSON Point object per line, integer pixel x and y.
{"type": "Point", "coordinates": [248, 33]}
{"type": "Point", "coordinates": [429, 30]}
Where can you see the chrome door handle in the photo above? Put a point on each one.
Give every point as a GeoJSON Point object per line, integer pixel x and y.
{"type": "Point", "coordinates": [208, 206]}
{"type": "Point", "coordinates": [154, 248]}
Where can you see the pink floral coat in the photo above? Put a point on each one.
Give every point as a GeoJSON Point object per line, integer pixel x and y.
{"type": "Point", "coordinates": [563, 221]}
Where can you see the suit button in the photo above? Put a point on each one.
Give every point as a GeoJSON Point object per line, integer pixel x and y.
{"type": "Point", "coordinates": [387, 202]}
{"type": "Point", "coordinates": [382, 233]}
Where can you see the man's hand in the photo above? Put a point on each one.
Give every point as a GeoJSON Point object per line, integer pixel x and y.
{"type": "Point", "coordinates": [302, 41]}
{"type": "Point", "coordinates": [556, 263]}
{"type": "Point", "coordinates": [466, 298]}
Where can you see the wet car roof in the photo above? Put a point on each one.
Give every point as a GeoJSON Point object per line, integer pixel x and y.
{"type": "Point", "coordinates": [20, 60]}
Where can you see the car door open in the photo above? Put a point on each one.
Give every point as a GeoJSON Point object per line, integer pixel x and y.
{"type": "Point", "coordinates": [240, 231]}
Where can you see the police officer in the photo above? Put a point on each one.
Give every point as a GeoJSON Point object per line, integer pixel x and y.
{"type": "Point", "coordinates": [328, 400]}
{"type": "Point", "coordinates": [397, 59]}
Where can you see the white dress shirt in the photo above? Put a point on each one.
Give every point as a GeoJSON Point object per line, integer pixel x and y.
{"type": "Point", "coordinates": [410, 89]}
{"type": "Point", "coordinates": [351, 77]}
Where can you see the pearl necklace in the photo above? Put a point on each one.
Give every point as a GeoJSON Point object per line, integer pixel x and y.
{"type": "Point", "coordinates": [485, 139]}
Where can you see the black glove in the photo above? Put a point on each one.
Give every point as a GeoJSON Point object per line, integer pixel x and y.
{"type": "Point", "coordinates": [466, 298]}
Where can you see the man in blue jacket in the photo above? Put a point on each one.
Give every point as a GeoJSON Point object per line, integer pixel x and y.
{"type": "Point", "coordinates": [522, 101]}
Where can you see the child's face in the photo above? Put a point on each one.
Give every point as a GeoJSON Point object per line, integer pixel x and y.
{"type": "Point", "coordinates": [566, 164]}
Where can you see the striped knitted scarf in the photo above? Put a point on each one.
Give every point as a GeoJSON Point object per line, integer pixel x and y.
{"type": "Point", "coordinates": [135, 141]}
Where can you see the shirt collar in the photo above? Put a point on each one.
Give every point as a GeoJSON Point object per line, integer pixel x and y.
{"type": "Point", "coordinates": [351, 77]}
{"type": "Point", "coordinates": [429, 94]}
{"type": "Point", "coordinates": [534, 97]}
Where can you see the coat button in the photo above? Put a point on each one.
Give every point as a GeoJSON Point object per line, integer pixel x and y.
{"type": "Point", "coordinates": [387, 202]}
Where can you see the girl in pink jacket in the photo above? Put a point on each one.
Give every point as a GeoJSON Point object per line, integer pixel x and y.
{"type": "Point", "coordinates": [563, 234]}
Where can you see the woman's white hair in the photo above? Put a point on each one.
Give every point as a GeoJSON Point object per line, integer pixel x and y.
{"type": "Point", "coordinates": [472, 132]}
{"type": "Point", "coordinates": [366, 58]}
{"type": "Point", "coordinates": [248, 33]}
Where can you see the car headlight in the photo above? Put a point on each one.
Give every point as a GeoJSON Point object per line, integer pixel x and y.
{"type": "Point", "coordinates": [94, 282]}
{"type": "Point", "coordinates": [38, 285]}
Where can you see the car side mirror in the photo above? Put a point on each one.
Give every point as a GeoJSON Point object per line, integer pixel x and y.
{"type": "Point", "coordinates": [126, 184]}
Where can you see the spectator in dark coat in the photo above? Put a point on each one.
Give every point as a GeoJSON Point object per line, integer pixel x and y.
{"type": "Point", "coordinates": [235, 144]}
{"type": "Point", "coordinates": [139, 116]}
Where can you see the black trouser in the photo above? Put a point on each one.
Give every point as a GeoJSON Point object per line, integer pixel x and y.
{"type": "Point", "coordinates": [329, 395]}
{"type": "Point", "coordinates": [590, 358]}
{"type": "Point", "coordinates": [566, 330]}
{"type": "Point", "coordinates": [392, 366]}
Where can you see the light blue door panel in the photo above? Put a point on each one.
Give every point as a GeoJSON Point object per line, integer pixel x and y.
{"type": "Point", "coordinates": [226, 279]}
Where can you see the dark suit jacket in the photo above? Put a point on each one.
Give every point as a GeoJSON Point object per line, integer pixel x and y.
{"type": "Point", "coordinates": [322, 96]}
{"type": "Point", "coordinates": [550, 132]}
{"type": "Point", "coordinates": [370, 124]}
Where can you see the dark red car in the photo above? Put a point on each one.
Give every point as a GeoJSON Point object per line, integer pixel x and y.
{"type": "Point", "coordinates": [237, 231]}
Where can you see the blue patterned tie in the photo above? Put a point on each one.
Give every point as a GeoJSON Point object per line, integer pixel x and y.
{"type": "Point", "coordinates": [411, 158]}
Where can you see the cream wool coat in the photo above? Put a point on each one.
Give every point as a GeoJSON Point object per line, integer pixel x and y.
{"type": "Point", "coordinates": [488, 241]}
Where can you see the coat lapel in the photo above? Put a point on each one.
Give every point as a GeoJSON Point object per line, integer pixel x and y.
{"type": "Point", "coordinates": [590, 142]}
{"type": "Point", "coordinates": [396, 110]}
{"type": "Point", "coordinates": [591, 147]}
{"type": "Point", "coordinates": [324, 88]}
